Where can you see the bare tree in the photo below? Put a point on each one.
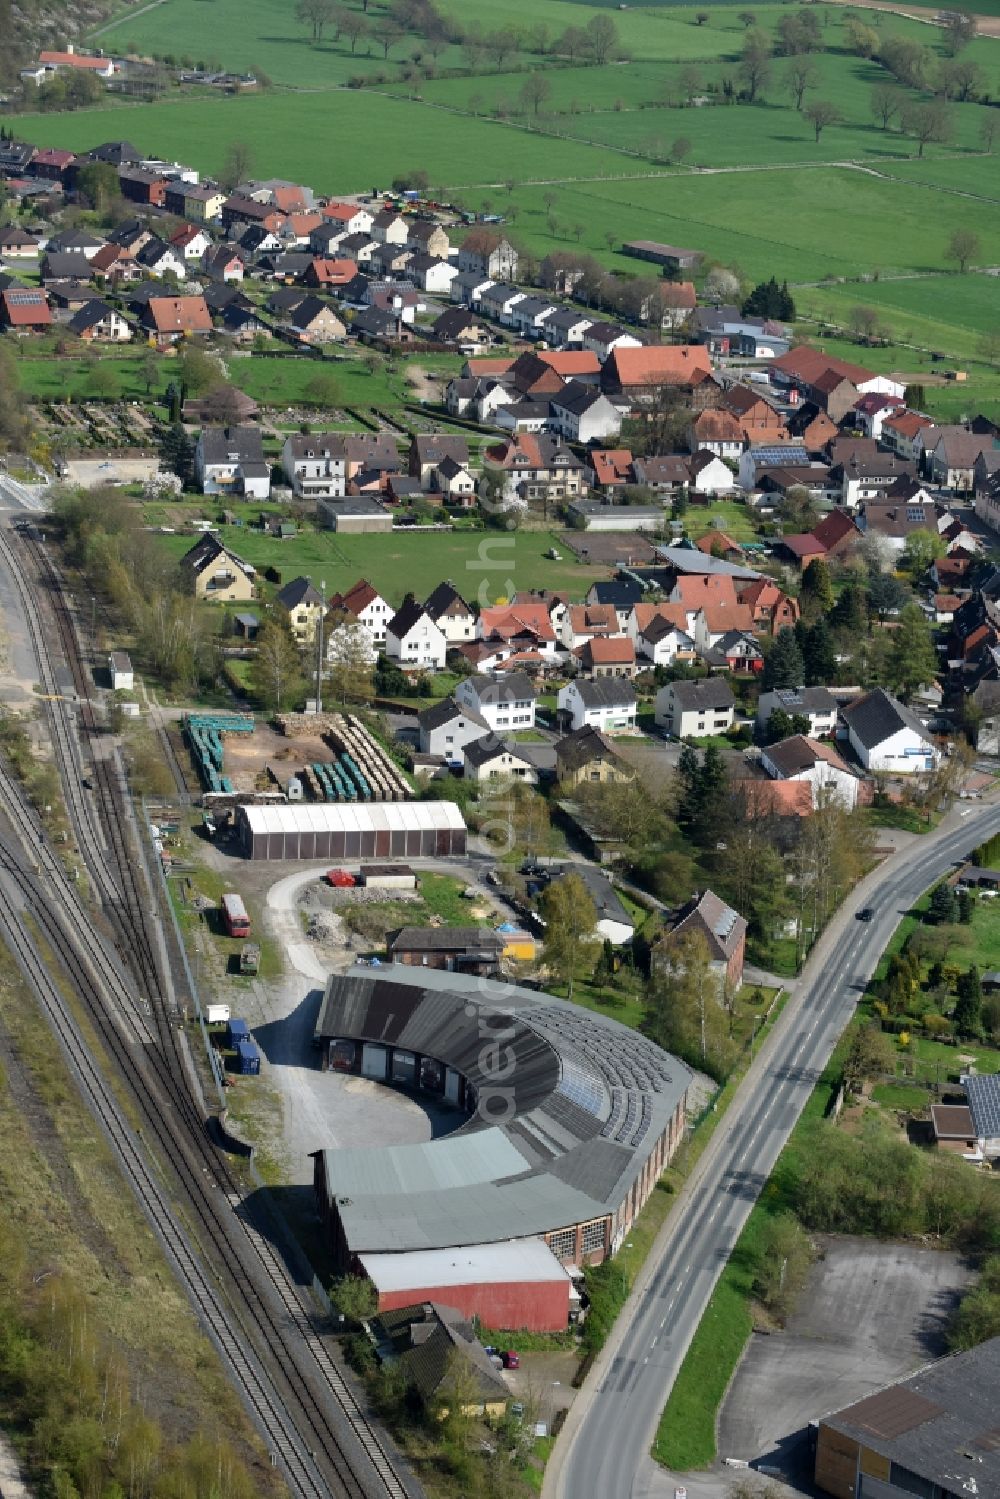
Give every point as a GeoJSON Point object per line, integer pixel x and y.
{"type": "Point", "coordinates": [602, 38]}
{"type": "Point", "coordinates": [987, 132]}
{"type": "Point", "coordinates": [963, 246]}
{"type": "Point", "coordinates": [237, 165]}
{"type": "Point", "coordinates": [535, 91]}
{"type": "Point", "coordinates": [316, 14]}
{"type": "Point", "coordinates": [821, 113]}
{"type": "Point", "coordinates": [885, 102]}
{"type": "Point", "coordinates": [800, 74]}
{"type": "Point", "coordinates": [353, 26]}
{"type": "Point", "coordinates": [755, 64]}
{"type": "Point", "coordinates": [927, 122]}
{"type": "Point", "coordinates": [960, 29]}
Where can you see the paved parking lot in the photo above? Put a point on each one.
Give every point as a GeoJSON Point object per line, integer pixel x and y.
{"type": "Point", "coordinates": [870, 1313]}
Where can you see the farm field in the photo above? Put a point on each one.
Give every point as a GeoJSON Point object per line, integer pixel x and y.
{"type": "Point", "coordinates": [949, 312]}
{"type": "Point", "coordinates": [488, 565]}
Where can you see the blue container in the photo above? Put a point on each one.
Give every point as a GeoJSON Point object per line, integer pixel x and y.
{"type": "Point", "coordinates": [247, 1058]}
{"type": "Point", "coordinates": [238, 1031]}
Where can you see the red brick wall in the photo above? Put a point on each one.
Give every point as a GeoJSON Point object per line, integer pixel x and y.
{"type": "Point", "coordinates": [539, 1306]}
{"type": "Point", "coordinates": [734, 968]}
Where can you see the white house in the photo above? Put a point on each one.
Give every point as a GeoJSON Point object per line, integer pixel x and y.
{"type": "Point", "coordinates": [709, 475]}
{"type": "Point", "coordinates": [365, 604]}
{"type": "Point", "coordinates": [582, 413]}
{"type": "Point", "coordinates": [885, 735]}
{"type": "Point", "coordinates": [497, 301]}
{"type": "Point", "coordinates": [802, 759]}
{"type": "Point", "coordinates": [688, 710]}
{"type": "Point", "coordinates": [528, 315]}
{"type": "Point", "coordinates": [315, 466]}
{"type": "Point", "coordinates": [230, 461]}
{"type": "Point", "coordinates": [493, 759]}
{"type": "Point", "coordinates": [414, 641]}
{"type": "Point", "coordinates": [601, 338]}
{"type": "Point", "coordinates": [606, 704]}
{"type": "Point", "coordinates": [446, 729]}
{"type": "Point", "coordinates": [817, 704]}
{"type": "Point", "coordinates": [663, 642]}
{"type": "Point", "coordinates": [353, 218]}
{"type": "Point", "coordinates": [452, 615]}
{"type": "Point", "coordinates": [506, 702]}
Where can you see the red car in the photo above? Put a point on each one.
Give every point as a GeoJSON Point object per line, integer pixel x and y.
{"type": "Point", "coordinates": [511, 1360]}
{"type": "Point", "coordinates": [342, 879]}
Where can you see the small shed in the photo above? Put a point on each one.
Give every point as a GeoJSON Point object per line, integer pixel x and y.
{"type": "Point", "coordinates": [246, 625]}
{"type": "Point", "coordinates": [120, 671]}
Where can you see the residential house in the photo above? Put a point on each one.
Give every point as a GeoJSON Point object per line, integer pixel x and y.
{"type": "Point", "coordinates": [901, 432]}
{"type": "Point", "coordinates": [371, 453]}
{"type": "Point", "coordinates": [723, 931]}
{"type": "Point", "coordinates": [17, 244]}
{"type": "Point", "coordinates": [199, 203]}
{"type": "Point", "coordinates": [524, 626]}
{"type": "Point", "coordinates": [603, 339]}
{"type": "Point", "coordinates": [873, 410]}
{"type": "Point", "coordinates": [24, 309]}
{"type": "Point", "coordinates": [446, 729]}
{"type": "Point", "coordinates": [952, 459]}
{"type": "Point", "coordinates": [52, 165]}
{"type": "Point", "coordinates": [736, 650]}
{"type": "Point", "coordinates": [216, 573]}
{"type": "Point", "coordinates": [587, 755]}
{"type": "Point", "coordinates": [468, 287]}
{"type": "Point", "coordinates": [454, 482]}
{"type": "Point", "coordinates": [330, 273]}
{"type": "Point", "coordinates": [662, 634]}
{"type": "Point", "coordinates": [171, 318]}
{"type": "Point", "coordinates": [73, 61]}
{"type": "Point", "coordinates": [376, 325]}
{"type": "Point", "coordinates": [223, 263]}
{"type": "Point", "coordinates": [689, 710]}
{"type": "Point", "coordinates": [230, 461]}
{"type": "Point", "coordinates": [315, 322]}
{"type": "Point", "coordinates": [800, 758]}
{"type": "Point", "coordinates": [484, 252]}
{"type": "Point", "coordinates": [430, 274]}
{"type": "Point", "coordinates": [315, 465]}
{"type": "Point", "coordinates": [983, 716]}
{"type": "Point", "coordinates": [637, 375]}
{"type": "Point", "coordinates": [835, 535]}
{"type": "Point", "coordinates": [566, 327]}
{"type": "Point", "coordinates": [458, 326]}
{"type": "Point", "coordinates": [304, 606]}
{"type": "Point", "coordinates": [817, 705]}
{"type": "Point", "coordinates": [528, 315]}
{"type": "Point", "coordinates": [389, 227]}
{"type": "Point", "coordinates": [64, 265]}
{"type": "Point", "coordinates": [139, 185]}
{"type": "Point", "coordinates": [716, 430]}
{"type": "Point", "coordinates": [539, 467]}
{"type": "Point", "coordinates": [413, 640]}
{"type": "Point", "coordinates": [621, 593]}
{"type": "Point", "coordinates": [506, 702]}
{"type": "Point", "coordinates": [709, 475]}
{"type": "Point", "coordinates": [671, 305]}
{"type": "Point", "coordinates": [771, 607]}
{"type": "Point", "coordinates": [490, 758]}
{"type": "Point", "coordinates": [427, 450]}
{"type": "Point", "coordinates": [498, 300]}
{"type": "Point", "coordinates": [74, 242]}
{"type": "Point", "coordinates": [885, 735]}
{"type": "Point", "coordinates": [811, 426]}
{"type": "Point", "coordinates": [606, 704]}
{"type": "Point", "coordinates": [158, 258]}
{"type": "Point", "coordinates": [804, 368]}
{"type": "Point", "coordinates": [191, 241]}
{"type": "Point", "coordinates": [582, 622]}
{"type": "Point", "coordinates": [97, 322]}
{"type": "Point", "coordinates": [435, 1348]}
{"type": "Point", "coordinates": [584, 414]}
{"type": "Point", "coordinates": [896, 521]}
{"type": "Point", "coordinates": [603, 656]}
{"type": "Point", "coordinates": [365, 604]}
{"type": "Point", "coordinates": [353, 218]}
{"type": "Point", "coordinates": [452, 615]}
{"type": "Point", "coordinates": [241, 322]}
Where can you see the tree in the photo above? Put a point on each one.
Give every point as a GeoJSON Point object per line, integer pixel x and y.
{"type": "Point", "coordinates": [101, 383]}
{"type": "Point", "coordinates": [500, 44]}
{"type": "Point", "coordinates": [921, 549]}
{"type": "Point", "coordinates": [701, 17]}
{"type": "Point", "coordinates": [689, 82]}
{"type": "Point", "coordinates": [602, 38]}
{"type": "Point", "coordinates": [861, 39]}
{"type": "Point", "coordinates": [680, 148]}
{"type": "Point", "coordinates": [349, 654]}
{"type": "Point", "coordinates": [276, 674]}
{"type": "Point", "coordinates": [747, 18]}
{"type": "Point", "coordinates": [960, 79]}
{"type": "Point", "coordinates": [353, 26]}
{"type": "Point", "coordinates": [943, 907]}
{"type": "Point", "coordinates": [196, 370]}
{"type": "Point", "coordinates": [149, 372]}
{"type": "Point", "coordinates": [237, 165]}
{"type": "Point", "coordinates": [960, 29]}
{"type": "Point", "coordinates": [967, 1015]}
{"type": "Point", "coordinates": [783, 665]}
{"type": "Point", "coordinates": [800, 74]}
{"type": "Point", "coordinates": [797, 32]}
{"type": "Point", "coordinates": [769, 300]}
{"type": "Point", "coordinates": [987, 132]}
{"type": "Point", "coordinates": [316, 14]}
{"type": "Point", "coordinates": [685, 1014]}
{"type": "Point", "coordinates": [535, 91]}
{"type": "Point", "coordinates": [820, 113]}
{"type": "Point", "coordinates": [177, 450]}
{"type": "Point", "coordinates": [755, 64]}
{"type": "Point", "coordinates": [927, 123]}
{"type": "Point", "coordinates": [817, 590]}
{"type": "Point", "coordinates": [885, 103]}
{"type": "Point", "coordinates": [871, 1055]}
{"type": "Point", "coordinates": [570, 918]}
{"type": "Point", "coordinates": [963, 246]}
{"type": "Point", "coordinates": [722, 285]}
{"type": "Point", "coordinates": [354, 1298]}
{"type": "Point", "coordinates": [322, 389]}
{"type": "Point", "coordinates": [866, 323]}
{"type": "Point", "coordinates": [966, 907]}
{"type": "Point", "coordinates": [819, 654]}
{"type": "Point", "coordinates": [913, 659]}
{"type": "Point", "coordinates": [98, 183]}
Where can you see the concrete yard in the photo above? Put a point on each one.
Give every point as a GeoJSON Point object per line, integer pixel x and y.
{"type": "Point", "coordinates": [870, 1313]}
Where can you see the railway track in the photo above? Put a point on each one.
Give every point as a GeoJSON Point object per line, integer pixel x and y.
{"type": "Point", "coordinates": [353, 1453]}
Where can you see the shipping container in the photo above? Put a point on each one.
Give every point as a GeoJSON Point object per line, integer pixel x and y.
{"type": "Point", "coordinates": [238, 1030]}
{"type": "Point", "coordinates": [247, 1058]}
{"type": "Point", "coordinates": [217, 1015]}
{"type": "Point", "coordinates": [234, 916]}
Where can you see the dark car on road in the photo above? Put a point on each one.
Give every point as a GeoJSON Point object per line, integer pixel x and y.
{"type": "Point", "coordinates": [866, 913]}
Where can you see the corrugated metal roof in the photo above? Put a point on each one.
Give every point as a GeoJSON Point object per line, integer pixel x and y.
{"type": "Point", "coordinates": [515, 1260]}
{"type": "Point", "coordinates": [461, 1160]}
{"type": "Point", "coordinates": [349, 817]}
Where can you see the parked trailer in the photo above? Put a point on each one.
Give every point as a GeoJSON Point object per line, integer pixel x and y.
{"type": "Point", "coordinates": [234, 916]}
{"type": "Point", "coordinates": [247, 1059]}
{"type": "Point", "coordinates": [217, 1015]}
{"type": "Point", "coordinates": [250, 958]}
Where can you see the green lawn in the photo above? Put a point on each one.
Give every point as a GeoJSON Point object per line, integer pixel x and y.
{"type": "Point", "coordinates": [484, 565]}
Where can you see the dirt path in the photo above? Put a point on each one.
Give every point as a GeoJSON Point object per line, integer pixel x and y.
{"type": "Point", "coordinates": [985, 25]}
{"type": "Point", "coordinates": [426, 387]}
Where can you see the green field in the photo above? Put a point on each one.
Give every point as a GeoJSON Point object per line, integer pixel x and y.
{"type": "Point", "coordinates": [484, 566]}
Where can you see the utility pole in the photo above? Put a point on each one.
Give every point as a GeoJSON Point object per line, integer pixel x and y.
{"type": "Point", "coordinates": [319, 648]}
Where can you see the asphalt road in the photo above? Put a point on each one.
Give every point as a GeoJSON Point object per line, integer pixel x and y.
{"type": "Point", "coordinates": [604, 1449]}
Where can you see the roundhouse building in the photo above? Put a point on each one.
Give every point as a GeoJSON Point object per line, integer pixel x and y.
{"type": "Point", "coordinates": [571, 1118]}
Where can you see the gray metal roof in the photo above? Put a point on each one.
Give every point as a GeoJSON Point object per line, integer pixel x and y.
{"type": "Point", "coordinates": [559, 1140]}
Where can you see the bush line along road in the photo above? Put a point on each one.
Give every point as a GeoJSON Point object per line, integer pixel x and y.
{"type": "Point", "coordinates": [304, 1408]}
{"type": "Point", "coordinates": [604, 1448]}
